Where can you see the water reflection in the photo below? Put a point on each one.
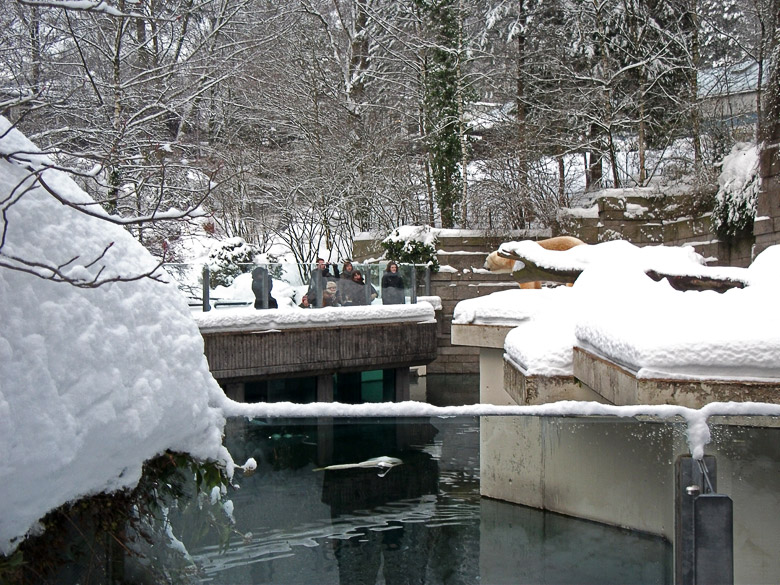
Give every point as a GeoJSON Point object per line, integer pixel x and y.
{"type": "Point", "coordinates": [422, 522]}
{"type": "Point", "coordinates": [354, 525]}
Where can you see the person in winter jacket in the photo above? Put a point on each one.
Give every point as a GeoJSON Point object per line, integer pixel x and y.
{"type": "Point", "coordinates": [392, 286]}
{"type": "Point", "coordinates": [321, 276]}
{"type": "Point", "coordinates": [261, 286]}
{"type": "Point", "coordinates": [353, 292]}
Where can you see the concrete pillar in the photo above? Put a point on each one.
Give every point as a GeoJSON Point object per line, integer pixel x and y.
{"type": "Point", "coordinates": [325, 388]}
{"type": "Point", "coordinates": [401, 384]}
{"type": "Point", "coordinates": [491, 377]}
{"type": "Point", "coordinates": [236, 391]}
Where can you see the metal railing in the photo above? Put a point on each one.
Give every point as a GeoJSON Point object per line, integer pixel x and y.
{"type": "Point", "coordinates": [243, 285]}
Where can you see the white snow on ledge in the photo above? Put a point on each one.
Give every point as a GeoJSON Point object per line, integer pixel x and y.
{"type": "Point", "coordinates": [647, 326]}
{"type": "Point", "coordinates": [698, 432]}
{"type": "Point", "coordinates": [242, 319]}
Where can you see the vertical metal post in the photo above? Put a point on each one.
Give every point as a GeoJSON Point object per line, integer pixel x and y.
{"type": "Point", "coordinates": [316, 286]}
{"type": "Point", "coordinates": [205, 293]}
{"type": "Point", "coordinates": [713, 539]}
{"type": "Point", "coordinates": [413, 292]}
{"type": "Point", "coordinates": [264, 288]}
{"type": "Point", "coordinates": [703, 544]}
{"type": "Point", "coordinates": [427, 281]}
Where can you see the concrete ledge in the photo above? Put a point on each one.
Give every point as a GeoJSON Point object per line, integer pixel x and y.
{"type": "Point", "coordinates": [525, 389]}
{"type": "Point", "coordinates": [480, 335]}
{"type": "Point", "coordinates": [619, 385]}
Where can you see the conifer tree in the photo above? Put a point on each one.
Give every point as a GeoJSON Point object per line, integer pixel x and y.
{"type": "Point", "coordinates": [441, 97]}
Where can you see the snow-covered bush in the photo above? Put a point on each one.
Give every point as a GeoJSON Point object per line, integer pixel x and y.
{"type": "Point", "coordinates": [413, 245]}
{"type": "Point", "coordinates": [735, 202]}
{"type": "Point", "coordinates": [229, 258]}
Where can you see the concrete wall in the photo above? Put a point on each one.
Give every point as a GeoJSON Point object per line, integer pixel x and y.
{"type": "Point", "coordinates": [453, 287]}
{"type": "Point", "coordinates": [615, 471]}
{"type": "Point", "coordinates": [653, 218]}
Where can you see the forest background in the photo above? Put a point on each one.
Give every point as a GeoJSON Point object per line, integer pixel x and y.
{"type": "Point", "coordinates": [305, 122]}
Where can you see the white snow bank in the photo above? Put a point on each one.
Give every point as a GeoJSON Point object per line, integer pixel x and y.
{"type": "Point", "coordinates": [542, 346]}
{"type": "Point", "coordinates": [647, 326]}
{"type": "Point", "coordinates": [616, 254]}
{"type": "Point", "coordinates": [93, 382]}
{"type": "Point", "coordinates": [508, 307]}
{"type": "Point", "coordinates": [268, 319]}
{"type": "Point", "coordinates": [660, 332]}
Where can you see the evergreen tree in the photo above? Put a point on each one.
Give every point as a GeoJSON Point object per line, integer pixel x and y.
{"type": "Point", "coordinates": [442, 104]}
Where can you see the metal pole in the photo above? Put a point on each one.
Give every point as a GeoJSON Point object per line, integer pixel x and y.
{"type": "Point", "coordinates": [713, 539]}
{"type": "Point", "coordinates": [266, 276]}
{"type": "Point", "coordinates": [414, 284]}
{"type": "Point", "coordinates": [427, 281]}
{"type": "Point", "coordinates": [205, 294]}
{"type": "Point", "coordinates": [703, 547]}
{"type": "Point", "coordinates": [316, 286]}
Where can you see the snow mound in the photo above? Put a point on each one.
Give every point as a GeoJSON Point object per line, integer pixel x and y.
{"type": "Point", "coordinates": [93, 381]}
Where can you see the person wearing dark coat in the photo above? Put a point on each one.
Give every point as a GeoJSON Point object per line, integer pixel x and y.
{"type": "Point", "coordinates": [347, 270]}
{"type": "Point", "coordinates": [354, 293]}
{"type": "Point", "coordinates": [320, 276]}
{"type": "Point", "coordinates": [262, 285]}
{"type": "Point", "coordinates": [392, 286]}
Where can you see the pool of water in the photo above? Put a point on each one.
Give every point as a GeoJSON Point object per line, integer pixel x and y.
{"type": "Point", "coordinates": [422, 521]}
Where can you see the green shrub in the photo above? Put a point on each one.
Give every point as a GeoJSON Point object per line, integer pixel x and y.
{"type": "Point", "coordinates": [228, 259]}
{"type": "Point", "coordinates": [409, 247]}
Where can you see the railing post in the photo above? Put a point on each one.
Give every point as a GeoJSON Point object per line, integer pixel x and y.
{"type": "Point", "coordinates": [315, 285]}
{"type": "Point", "coordinates": [427, 280]}
{"type": "Point", "coordinates": [205, 294]}
{"type": "Point", "coordinates": [413, 294]}
{"type": "Point", "coordinates": [266, 276]}
{"type": "Point", "coordinates": [704, 549]}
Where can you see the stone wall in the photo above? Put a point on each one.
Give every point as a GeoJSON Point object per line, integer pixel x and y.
{"type": "Point", "coordinates": [462, 256]}
{"type": "Point", "coordinates": [368, 246]}
{"type": "Point", "coordinates": [767, 225]}
{"type": "Point", "coordinates": [648, 217]}
{"type": "Point", "coordinates": [453, 287]}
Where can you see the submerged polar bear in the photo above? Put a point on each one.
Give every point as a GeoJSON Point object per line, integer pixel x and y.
{"type": "Point", "coordinates": [501, 265]}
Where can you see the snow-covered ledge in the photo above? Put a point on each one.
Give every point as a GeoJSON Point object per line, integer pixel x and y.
{"type": "Point", "coordinates": [248, 319]}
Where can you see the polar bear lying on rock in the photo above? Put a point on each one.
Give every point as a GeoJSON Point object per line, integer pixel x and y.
{"type": "Point", "coordinates": [506, 265]}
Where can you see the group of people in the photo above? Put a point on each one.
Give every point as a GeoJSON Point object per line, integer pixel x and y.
{"type": "Point", "coordinates": [349, 288]}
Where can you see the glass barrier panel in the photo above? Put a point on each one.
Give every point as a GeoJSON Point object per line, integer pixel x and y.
{"type": "Point", "coordinates": [246, 285]}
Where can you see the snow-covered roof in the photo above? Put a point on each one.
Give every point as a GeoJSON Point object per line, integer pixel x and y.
{"type": "Point", "coordinates": [728, 80]}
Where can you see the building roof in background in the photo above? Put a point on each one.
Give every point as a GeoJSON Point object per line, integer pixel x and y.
{"type": "Point", "coordinates": [730, 79]}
